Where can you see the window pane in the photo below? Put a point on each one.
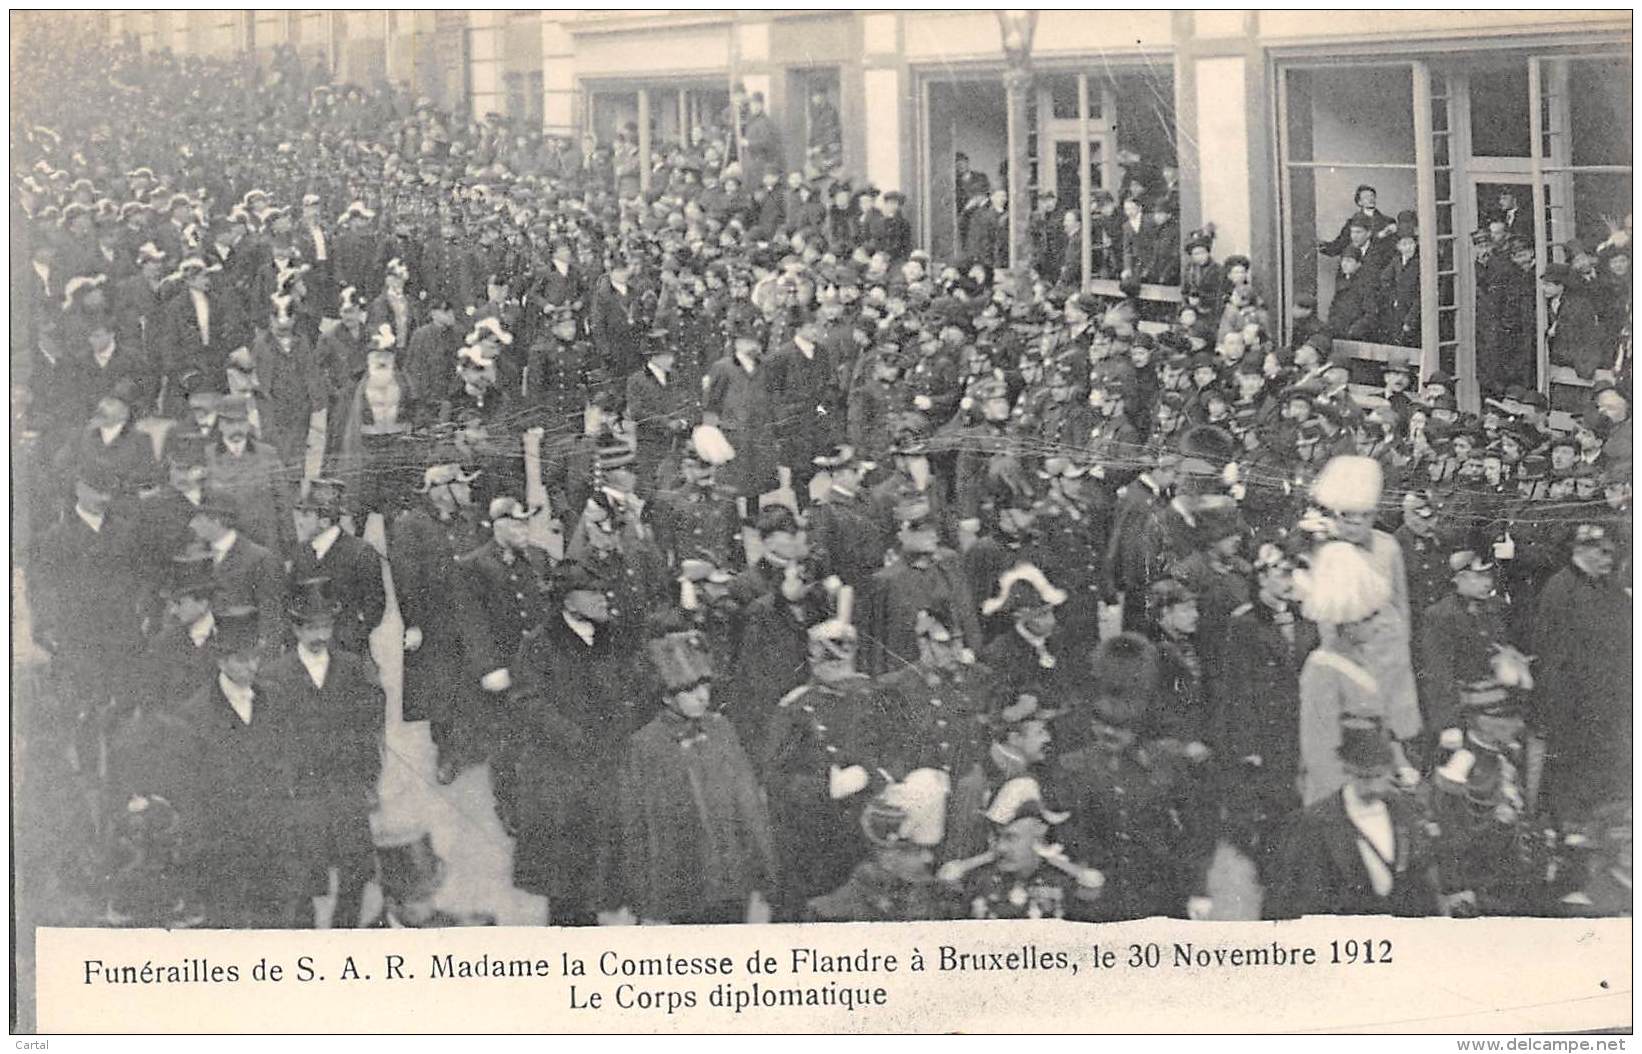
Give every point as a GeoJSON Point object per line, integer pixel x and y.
{"type": "Point", "coordinates": [1599, 100]}
{"type": "Point", "coordinates": [1335, 118]}
{"type": "Point", "coordinates": [1351, 114]}
{"type": "Point", "coordinates": [1063, 95]}
{"type": "Point", "coordinates": [1499, 112]}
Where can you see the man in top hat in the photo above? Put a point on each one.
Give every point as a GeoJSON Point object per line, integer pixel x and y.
{"type": "Point", "coordinates": [1362, 850]}
{"type": "Point", "coordinates": [246, 574]}
{"type": "Point", "coordinates": [1399, 282]}
{"type": "Point", "coordinates": [423, 546]}
{"type": "Point", "coordinates": [332, 703]}
{"type": "Point", "coordinates": [290, 380]}
{"type": "Point", "coordinates": [1256, 705]}
{"type": "Point", "coordinates": [1021, 875]}
{"type": "Point", "coordinates": [242, 464]}
{"type": "Point", "coordinates": [201, 326]}
{"type": "Point", "coordinates": [571, 698]}
{"type": "Point", "coordinates": [240, 751]}
{"type": "Point", "coordinates": [1491, 857]}
{"type": "Point", "coordinates": [177, 659]}
{"type": "Point", "coordinates": [803, 381]}
{"type": "Point", "coordinates": [902, 824]}
{"type": "Point", "coordinates": [351, 567]}
{"type": "Point", "coordinates": [1582, 637]}
{"type": "Point", "coordinates": [690, 831]}
{"type": "Point", "coordinates": [1572, 332]}
{"type": "Point", "coordinates": [661, 410]}
{"type": "Point", "coordinates": [82, 603]}
{"type": "Point", "coordinates": [110, 438]}
{"type": "Point", "coordinates": [1217, 574]}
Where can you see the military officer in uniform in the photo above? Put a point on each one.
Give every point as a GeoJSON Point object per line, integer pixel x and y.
{"type": "Point", "coordinates": [501, 591]}
{"type": "Point", "coordinates": [816, 765]}
{"type": "Point", "coordinates": [700, 513]}
{"type": "Point", "coordinates": [932, 713]}
{"type": "Point", "coordinates": [1022, 875]}
{"type": "Point", "coordinates": [1138, 805]}
{"type": "Point", "coordinates": [560, 368]}
{"type": "Point", "coordinates": [423, 547]}
{"type": "Point", "coordinates": [903, 824]}
{"type": "Point", "coordinates": [1491, 859]}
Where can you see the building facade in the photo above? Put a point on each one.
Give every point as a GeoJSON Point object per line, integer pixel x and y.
{"type": "Point", "coordinates": [1271, 118]}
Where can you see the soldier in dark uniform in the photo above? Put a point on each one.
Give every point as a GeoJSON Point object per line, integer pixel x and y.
{"type": "Point", "coordinates": [1425, 556]}
{"type": "Point", "coordinates": [700, 513]}
{"type": "Point", "coordinates": [1491, 858]}
{"type": "Point", "coordinates": [923, 576]}
{"type": "Point", "coordinates": [1256, 705]}
{"type": "Point", "coordinates": [1459, 637]}
{"type": "Point", "coordinates": [816, 765]}
{"type": "Point", "coordinates": [501, 591]}
{"type": "Point", "coordinates": [352, 568]}
{"type": "Point", "coordinates": [933, 713]}
{"type": "Point", "coordinates": [847, 539]}
{"type": "Point", "coordinates": [423, 547]}
{"type": "Point", "coordinates": [1139, 808]}
{"type": "Point", "coordinates": [558, 369]}
{"type": "Point", "coordinates": [658, 406]}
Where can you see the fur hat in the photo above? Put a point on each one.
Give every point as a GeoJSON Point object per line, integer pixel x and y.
{"type": "Point", "coordinates": [1348, 483]}
{"type": "Point", "coordinates": [1341, 585]}
{"type": "Point", "coordinates": [1124, 678]}
{"type": "Point", "coordinates": [1208, 443]}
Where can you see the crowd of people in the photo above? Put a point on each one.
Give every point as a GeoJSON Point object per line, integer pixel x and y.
{"type": "Point", "coordinates": [770, 568]}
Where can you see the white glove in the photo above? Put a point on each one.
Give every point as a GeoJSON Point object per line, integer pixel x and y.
{"type": "Point", "coordinates": [1196, 751]}
{"type": "Point", "coordinates": [951, 871]}
{"type": "Point", "coordinates": [1451, 739]}
{"type": "Point", "coordinates": [843, 782]}
{"type": "Point", "coordinates": [1408, 776]}
{"type": "Point", "coordinates": [496, 680]}
{"type": "Point", "coordinates": [1505, 549]}
{"type": "Point", "coordinates": [922, 402]}
{"type": "Point", "coordinates": [1199, 908]}
{"type": "Point", "coordinates": [413, 638]}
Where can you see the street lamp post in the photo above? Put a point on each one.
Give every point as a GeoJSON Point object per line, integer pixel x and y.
{"type": "Point", "coordinates": [1016, 28]}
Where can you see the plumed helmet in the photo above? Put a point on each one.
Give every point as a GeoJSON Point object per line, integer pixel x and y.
{"type": "Point", "coordinates": [1341, 585]}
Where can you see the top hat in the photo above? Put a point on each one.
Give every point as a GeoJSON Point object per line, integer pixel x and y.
{"type": "Point", "coordinates": [311, 601]}
{"type": "Point", "coordinates": [324, 495]}
{"type": "Point", "coordinates": [1365, 745]}
{"type": "Point", "coordinates": [236, 630]}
